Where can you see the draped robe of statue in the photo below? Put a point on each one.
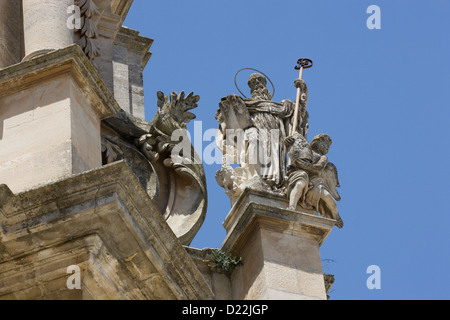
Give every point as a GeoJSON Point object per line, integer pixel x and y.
{"type": "Point", "coordinates": [271, 127]}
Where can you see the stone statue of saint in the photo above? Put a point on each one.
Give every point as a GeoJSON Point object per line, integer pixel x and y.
{"type": "Point", "coordinates": [259, 127]}
{"type": "Point", "coordinates": [257, 133]}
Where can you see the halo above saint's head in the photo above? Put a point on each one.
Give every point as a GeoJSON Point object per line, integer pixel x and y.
{"type": "Point", "coordinates": [237, 87]}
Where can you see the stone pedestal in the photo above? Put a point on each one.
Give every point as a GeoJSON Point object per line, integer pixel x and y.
{"type": "Point", "coordinates": [279, 247]}
{"type": "Point", "coordinates": [45, 26]}
{"type": "Point", "coordinates": [50, 114]}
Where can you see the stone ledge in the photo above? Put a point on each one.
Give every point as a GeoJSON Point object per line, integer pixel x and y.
{"type": "Point", "coordinates": [70, 60]}
{"type": "Point", "coordinates": [260, 197]}
{"type": "Point", "coordinates": [121, 7]}
{"type": "Point", "coordinates": [110, 204]}
{"type": "Point", "coordinates": [256, 209]}
{"type": "Point", "coordinates": [130, 39]}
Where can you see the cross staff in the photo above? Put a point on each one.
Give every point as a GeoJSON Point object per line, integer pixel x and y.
{"type": "Point", "coordinates": [302, 64]}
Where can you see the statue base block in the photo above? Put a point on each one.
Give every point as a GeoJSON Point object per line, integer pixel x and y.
{"type": "Point", "coordinates": [280, 249]}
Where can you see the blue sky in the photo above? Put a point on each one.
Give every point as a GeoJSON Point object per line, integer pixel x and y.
{"type": "Point", "coordinates": [382, 95]}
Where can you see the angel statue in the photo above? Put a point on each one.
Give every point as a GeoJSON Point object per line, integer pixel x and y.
{"type": "Point", "coordinates": [312, 179]}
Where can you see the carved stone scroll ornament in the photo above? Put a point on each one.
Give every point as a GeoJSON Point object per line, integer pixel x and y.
{"type": "Point", "coordinates": [177, 185]}
{"type": "Point", "coordinates": [88, 31]}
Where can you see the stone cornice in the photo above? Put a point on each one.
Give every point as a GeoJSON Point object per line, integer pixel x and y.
{"type": "Point", "coordinates": [110, 203]}
{"type": "Point", "coordinates": [69, 60]}
{"type": "Point", "coordinates": [256, 196]}
{"type": "Point", "coordinates": [121, 7]}
{"type": "Point", "coordinates": [257, 209]}
{"type": "Point", "coordinates": [130, 39]}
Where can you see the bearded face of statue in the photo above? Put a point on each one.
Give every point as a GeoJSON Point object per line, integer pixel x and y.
{"type": "Point", "coordinates": [258, 87]}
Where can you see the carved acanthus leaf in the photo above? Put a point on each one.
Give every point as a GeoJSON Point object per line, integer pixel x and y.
{"type": "Point", "coordinates": [89, 47]}
{"type": "Point", "coordinates": [111, 150]}
{"type": "Point", "coordinates": [88, 8]}
{"type": "Point", "coordinates": [88, 31]}
{"type": "Point", "coordinates": [173, 113]}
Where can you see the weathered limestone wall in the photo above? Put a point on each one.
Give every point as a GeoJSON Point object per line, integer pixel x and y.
{"type": "Point", "coordinates": [11, 32]}
{"type": "Point", "coordinates": [279, 267]}
{"type": "Point", "coordinates": [47, 133]}
{"type": "Point", "coordinates": [121, 78]}
{"type": "Point", "coordinates": [107, 29]}
{"type": "Point", "coordinates": [50, 114]}
{"type": "Point", "coordinates": [85, 133]}
{"type": "Point", "coordinates": [130, 56]}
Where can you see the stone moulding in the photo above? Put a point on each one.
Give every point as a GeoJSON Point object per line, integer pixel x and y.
{"type": "Point", "coordinates": [88, 29]}
{"type": "Point", "coordinates": [257, 207]}
{"type": "Point", "coordinates": [110, 205]}
{"type": "Point", "coordinates": [130, 39]}
{"type": "Point", "coordinates": [257, 196]}
{"type": "Point", "coordinates": [68, 60]}
{"type": "Point", "coordinates": [121, 7]}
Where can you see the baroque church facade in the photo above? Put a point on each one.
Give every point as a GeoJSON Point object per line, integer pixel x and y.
{"type": "Point", "coordinates": [93, 205]}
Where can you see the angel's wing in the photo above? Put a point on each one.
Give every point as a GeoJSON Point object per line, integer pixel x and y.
{"type": "Point", "coordinates": [331, 179]}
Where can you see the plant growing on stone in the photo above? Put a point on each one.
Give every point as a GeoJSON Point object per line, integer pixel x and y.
{"type": "Point", "coordinates": [222, 262]}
